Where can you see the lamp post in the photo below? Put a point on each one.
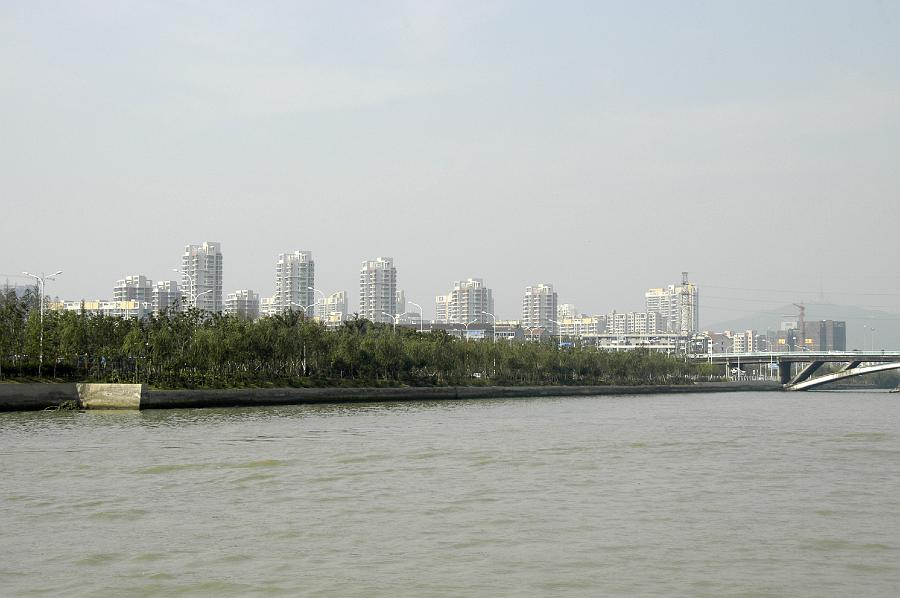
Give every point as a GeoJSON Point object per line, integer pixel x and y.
{"type": "Point", "coordinates": [394, 318]}
{"type": "Point", "coordinates": [303, 307]}
{"type": "Point", "coordinates": [467, 324]}
{"type": "Point", "coordinates": [315, 290]}
{"type": "Point", "coordinates": [193, 285]}
{"type": "Point", "coordinates": [40, 279]}
{"type": "Point", "coordinates": [487, 313]}
{"type": "Point", "coordinates": [559, 327]}
{"type": "Point", "coordinates": [530, 334]}
{"type": "Point", "coordinates": [872, 345]}
{"type": "Point", "coordinates": [420, 313]}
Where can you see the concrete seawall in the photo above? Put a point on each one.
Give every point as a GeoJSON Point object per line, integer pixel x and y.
{"type": "Point", "coordinates": [31, 397]}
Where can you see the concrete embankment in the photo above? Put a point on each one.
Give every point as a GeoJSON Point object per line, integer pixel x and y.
{"type": "Point", "coordinates": [31, 397]}
{"type": "Point", "coordinates": [36, 397]}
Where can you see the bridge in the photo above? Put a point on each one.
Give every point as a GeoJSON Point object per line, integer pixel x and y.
{"type": "Point", "coordinates": [856, 363]}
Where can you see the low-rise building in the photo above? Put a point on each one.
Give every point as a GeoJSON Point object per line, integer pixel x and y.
{"type": "Point", "coordinates": [117, 309]}
{"type": "Point", "coordinates": [243, 304]}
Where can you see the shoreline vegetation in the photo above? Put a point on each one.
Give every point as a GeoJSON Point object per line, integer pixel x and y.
{"type": "Point", "coordinates": [197, 350]}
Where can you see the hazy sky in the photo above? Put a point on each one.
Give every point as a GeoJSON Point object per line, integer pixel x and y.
{"type": "Point", "coordinates": [602, 147]}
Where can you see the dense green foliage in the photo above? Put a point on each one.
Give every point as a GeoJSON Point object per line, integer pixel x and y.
{"type": "Point", "coordinates": [193, 349]}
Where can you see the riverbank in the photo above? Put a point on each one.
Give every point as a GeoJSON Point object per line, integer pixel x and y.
{"type": "Point", "coordinates": [36, 397]}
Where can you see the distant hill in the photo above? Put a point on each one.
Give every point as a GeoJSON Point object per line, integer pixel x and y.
{"type": "Point", "coordinates": [886, 324]}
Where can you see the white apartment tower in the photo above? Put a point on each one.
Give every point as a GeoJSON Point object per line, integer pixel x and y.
{"type": "Point", "coordinates": [539, 306]}
{"type": "Point", "coordinates": [677, 307]}
{"type": "Point", "coordinates": [166, 296]}
{"type": "Point", "coordinates": [378, 290]}
{"type": "Point", "coordinates": [295, 276]}
{"type": "Point", "coordinates": [243, 304]}
{"type": "Point", "coordinates": [201, 276]}
{"type": "Point", "coordinates": [465, 303]}
{"type": "Point", "coordinates": [134, 288]}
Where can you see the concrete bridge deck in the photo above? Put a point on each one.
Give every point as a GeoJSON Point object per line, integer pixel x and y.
{"type": "Point", "coordinates": [855, 364]}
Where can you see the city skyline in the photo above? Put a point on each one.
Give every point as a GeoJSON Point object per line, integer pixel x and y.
{"type": "Point", "coordinates": [595, 159]}
{"type": "Point", "coordinates": [162, 292]}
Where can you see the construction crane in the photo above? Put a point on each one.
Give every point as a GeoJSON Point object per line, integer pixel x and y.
{"type": "Point", "coordinates": [802, 309]}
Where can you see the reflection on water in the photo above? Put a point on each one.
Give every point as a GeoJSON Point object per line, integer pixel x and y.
{"type": "Point", "coordinates": [696, 495]}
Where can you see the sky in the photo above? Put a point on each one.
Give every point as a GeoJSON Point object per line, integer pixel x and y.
{"type": "Point", "coordinates": [603, 147]}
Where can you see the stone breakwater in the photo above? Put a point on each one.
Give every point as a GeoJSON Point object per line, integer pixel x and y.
{"type": "Point", "coordinates": [35, 397]}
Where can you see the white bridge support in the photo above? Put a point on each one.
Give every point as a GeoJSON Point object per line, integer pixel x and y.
{"type": "Point", "coordinates": [807, 363]}
{"type": "Point", "coordinates": [849, 371]}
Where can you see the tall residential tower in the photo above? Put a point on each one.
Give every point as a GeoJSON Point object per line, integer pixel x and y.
{"type": "Point", "coordinates": [677, 306]}
{"type": "Point", "coordinates": [465, 303]}
{"type": "Point", "coordinates": [295, 275]}
{"type": "Point", "coordinates": [539, 306]}
{"type": "Point", "coordinates": [201, 276]}
{"type": "Point", "coordinates": [378, 290]}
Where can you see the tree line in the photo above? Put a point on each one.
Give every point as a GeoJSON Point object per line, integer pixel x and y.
{"type": "Point", "coordinates": [193, 349]}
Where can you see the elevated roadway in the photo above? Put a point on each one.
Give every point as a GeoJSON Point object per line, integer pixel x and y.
{"type": "Point", "coordinates": [856, 363]}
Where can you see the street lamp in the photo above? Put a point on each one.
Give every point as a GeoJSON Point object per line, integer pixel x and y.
{"type": "Point", "coordinates": [305, 307]}
{"type": "Point", "coordinates": [193, 285]}
{"type": "Point", "coordinates": [420, 313]}
{"type": "Point", "coordinates": [40, 279]}
{"type": "Point", "coordinates": [559, 327]}
{"type": "Point", "coordinates": [872, 346]}
{"type": "Point", "coordinates": [315, 290]}
{"type": "Point", "coordinates": [531, 334]}
{"type": "Point", "coordinates": [394, 318]}
{"type": "Point", "coordinates": [487, 313]}
{"type": "Point", "coordinates": [467, 324]}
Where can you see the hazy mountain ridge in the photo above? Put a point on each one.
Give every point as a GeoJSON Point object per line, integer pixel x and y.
{"type": "Point", "coordinates": [859, 321]}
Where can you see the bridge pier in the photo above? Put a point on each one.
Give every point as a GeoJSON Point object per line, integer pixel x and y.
{"type": "Point", "coordinates": [784, 371]}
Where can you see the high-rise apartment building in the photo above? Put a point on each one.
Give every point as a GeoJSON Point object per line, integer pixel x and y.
{"type": "Point", "coordinates": [295, 277]}
{"type": "Point", "coordinates": [677, 306]}
{"type": "Point", "coordinates": [243, 304]}
{"type": "Point", "coordinates": [201, 276]}
{"type": "Point", "coordinates": [539, 307]}
{"type": "Point", "coordinates": [134, 288]}
{"type": "Point", "coordinates": [378, 290]}
{"type": "Point", "coordinates": [465, 303]}
{"type": "Point", "coordinates": [166, 296]}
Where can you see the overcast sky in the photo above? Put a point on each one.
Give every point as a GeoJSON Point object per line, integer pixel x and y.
{"type": "Point", "coordinates": [601, 147]}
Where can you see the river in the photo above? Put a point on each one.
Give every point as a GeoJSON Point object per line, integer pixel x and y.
{"type": "Point", "coordinates": [733, 494]}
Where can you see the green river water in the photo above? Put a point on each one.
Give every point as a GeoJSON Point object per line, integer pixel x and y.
{"type": "Point", "coordinates": [743, 494]}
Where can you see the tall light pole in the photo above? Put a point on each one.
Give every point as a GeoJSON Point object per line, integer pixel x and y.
{"type": "Point", "coordinates": [304, 307]}
{"type": "Point", "coordinates": [487, 313]}
{"type": "Point", "coordinates": [559, 326]}
{"type": "Point", "coordinates": [467, 324]}
{"type": "Point", "coordinates": [193, 290]}
{"type": "Point", "coordinates": [420, 313]}
{"type": "Point", "coordinates": [531, 334]}
{"type": "Point", "coordinates": [40, 279]}
{"type": "Point", "coordinates": [315, 290]}
{"type": "Point", "coordinates": [394, 318]}
{"type": "Point", "coordinates": [200, 295]}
